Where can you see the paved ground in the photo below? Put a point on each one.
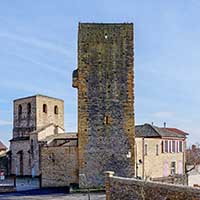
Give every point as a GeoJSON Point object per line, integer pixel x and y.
{"type": "Point", "coordinates": [59, 196]}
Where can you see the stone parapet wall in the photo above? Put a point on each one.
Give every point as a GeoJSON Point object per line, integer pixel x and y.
{"type": "Point", "coordinates": [176, 179]}
{"type": "Point", "coordinates": [59, 166]}
{"type": "Point", "coordinates": [118, 188]}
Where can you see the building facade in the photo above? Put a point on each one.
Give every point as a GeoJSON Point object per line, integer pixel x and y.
{"type": "Point", "coordinates": [104, 79]}
{"type": "Point", "coordinates": [33, 115]}
{"type": "Point", "coordinates": [159, 152]}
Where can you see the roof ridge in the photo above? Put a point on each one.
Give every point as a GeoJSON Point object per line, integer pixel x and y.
{"type": "Point", "coordinates": [155, 129]}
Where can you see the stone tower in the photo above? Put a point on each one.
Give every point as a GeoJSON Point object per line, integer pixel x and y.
{"type": "Point", "coordinates": [31, 114]}
{"type": "Point", "coordinates": [34, 112]}
{"type": "Point", "coordinates": [104, 79]}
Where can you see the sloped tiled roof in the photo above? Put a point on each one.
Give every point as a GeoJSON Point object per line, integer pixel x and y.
{"type": "Point", "coordinates": [2, 146]}
{"type": "Point", "coordinates": [150, 131]}
{"type": "Point", "coordinates": [177, 131]}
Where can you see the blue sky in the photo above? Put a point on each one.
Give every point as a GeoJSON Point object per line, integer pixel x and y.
{"type": "Point", "coordinates": [39, 52]}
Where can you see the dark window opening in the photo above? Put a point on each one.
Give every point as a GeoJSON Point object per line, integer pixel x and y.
{"type": "Point", "coordinates": [180, 146]}
{"type": "Point", "coordinates": [166, 146]}
{"type": "Point", "coordinates": [106, 120]}
{"type": "Point", "coordinates": [29, 108]}
{"type": "Point", "coordinates": [20, 111]}
{"type": "Point", "coordinates": [157, 149]}
{"type": "Point", "coordinates": [162, 147]}
{"type": "Point", "coordinates": [56, 110]}
{"type": "Point", "coordinates": [173, 168]}
{"type": "Point", "coordinates": [173, 146]}
{"type": "Point", "coordinates": [44, 108]}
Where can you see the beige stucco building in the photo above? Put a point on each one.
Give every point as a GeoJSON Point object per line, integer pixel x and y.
{"type": "Point", "coordinates": [160, 152]}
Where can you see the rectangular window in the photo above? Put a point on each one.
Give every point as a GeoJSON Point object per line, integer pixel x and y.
{"type": "Point", "coordinates": [173, 168]}
{"type": "Point", "coordinates": [145, 149]}
{"type": "Point", "coordinates": [180, 146]}
{"type": "Point", "coordinates": [173, 146]}
{"type": "Point", "coordinates": [162, 147]}
{"type": "Point", "coordinates": [170, 146]}
{"type": "Point", "coordinates": [166, 146]}
{"type": "Point", "coordinates": [157, 149]}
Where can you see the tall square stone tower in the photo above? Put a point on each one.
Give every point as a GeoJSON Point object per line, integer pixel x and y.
{"type": "Point", "coordinates": [104, 79]}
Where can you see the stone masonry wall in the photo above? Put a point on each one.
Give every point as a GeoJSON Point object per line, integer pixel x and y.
{"type": "Point", "coordinates": [118, 188]}
{"type": "Point", "coordinates": [17, 146]}
{"type": "Point", "coordinates": [26, 122]}
{"type": "Point", "coordinates": [42, 118]}
{"type": "Point", "coordinates": [59, 166]}
{"type": "Point", "coordinates": [105, 101]}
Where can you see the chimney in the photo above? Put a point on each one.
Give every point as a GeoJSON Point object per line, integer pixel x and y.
{"type": "Point", "coordinates": [152, 123]}
{"type": "Point", "coordinates": [165, 124]}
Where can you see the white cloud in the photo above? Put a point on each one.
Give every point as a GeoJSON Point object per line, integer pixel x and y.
{"type": "Point", "coordinates": [35, 42]}
{"type": "Point", "coordinates": [61, 72]}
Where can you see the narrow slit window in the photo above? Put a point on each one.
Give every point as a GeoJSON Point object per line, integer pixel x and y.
{"type": "Point", "coordinates": [145, 149]}
{"type": "Point", "coordinates": [20, 111]}
{"type": "Point", "coordinates": [107, 120]}
{"type": "Point", "coordinates": [29, 108]}
{"type": "Point", "coordinates": [44, 108]}
{"type": "Point", "coordinates": [56, 110]}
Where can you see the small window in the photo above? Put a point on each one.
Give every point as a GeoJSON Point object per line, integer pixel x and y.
{"type": "Point", "coordinates": [44, 108]}
{"type": "Point", "coordinates": [166, 146]}
{"type": "Point", "coordinates": [173, 168]}
{"type": "Point", "coordinates": [180, 146]}
{"type": "Point", "coordinates": [173, 146]}
{"type": "Point", "coordinates": [145, 149]}
{"type": "Point", "coordinates": [56, 110]}
{"type": "Point", "coordinates": [157, 149]}
{"type": "Point", "coordinates": [162, 147]}
{"type": "Point", "coordinates": [20, 110]}
{"type": "Point", "coordinates": [29, 108]}
{"type": "Point", "coordinates": [106, 120]}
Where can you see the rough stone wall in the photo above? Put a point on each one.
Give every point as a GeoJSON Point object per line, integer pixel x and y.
{"type": "Point", "coordinates": [24, 146]}
{"type": "Point", "coordinates": [42, 118]}
{"type": "Point", "coordinates": [176, 179]}
{"type": "Point", "coordinates": [59, 166]}
{"type": "Point", "coordinates": [105, 101]}
{"type": "Point", "coordinates": [118, 188]}
{"type": "Point", "coordinates": [26, 122]}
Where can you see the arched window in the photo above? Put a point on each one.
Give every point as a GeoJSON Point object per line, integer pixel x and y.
{"type": "Point", "coordinates": [55, 110]}
{"type": "Point", "coordinates": [20, 111]}
{"type": "Point", "coordinates": [44, 108]}
{"type": "Point", "coordinates": [29, 108]}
